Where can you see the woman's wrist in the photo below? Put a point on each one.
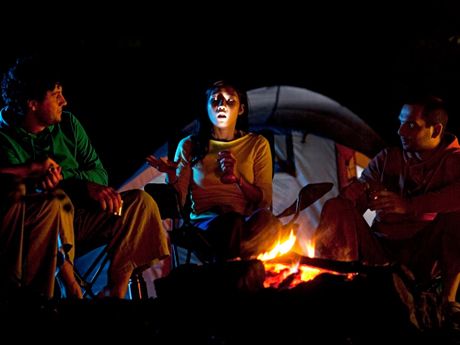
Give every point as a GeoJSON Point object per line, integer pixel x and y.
{"type": "Point", "coordinates": [171, 178]}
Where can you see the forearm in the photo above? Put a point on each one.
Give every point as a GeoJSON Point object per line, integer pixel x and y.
{"type": "Point", "coordinates": [443, 201]}
{"type": "Point", "coordinates": [22, 171]}
{"type": "Point", "coordinates": [27, 170]}
{"type": "Point", "coordinates": [252, 193]}
{"type": "Point", "coordinates": [357, 193]}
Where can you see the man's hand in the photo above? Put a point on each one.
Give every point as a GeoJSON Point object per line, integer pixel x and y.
{"type": "Point", "coordinates": [48, 173]}
{"type": "Point", "coordinates": [388, 202]}
{"type": "Point", "coordinates": [353, 191]}
{"type": "Point", "coordinates": [107, 197]}
{"type": "Point", "coordinates": [52, 178]}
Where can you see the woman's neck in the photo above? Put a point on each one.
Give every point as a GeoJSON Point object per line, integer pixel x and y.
{"type": "Point", "coordinates": [224, 134]}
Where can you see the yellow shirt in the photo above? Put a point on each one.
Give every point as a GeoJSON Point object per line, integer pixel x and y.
{"type": "Point", "coordinates": [208, 194]}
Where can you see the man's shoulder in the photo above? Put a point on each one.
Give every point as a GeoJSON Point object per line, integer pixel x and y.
{"type": "Point", "coordinates": [391, 154]}
{"type": "Point", "coordinates": [68, 116]}
{"type": "Point", "coordinates": [451, 143]}
{"type": "Point", "coordinates": [452, 154]}
{"type": "Point", "coordinates": [69, 120]}
{"type": "Point", "coordinates": [390, 151]}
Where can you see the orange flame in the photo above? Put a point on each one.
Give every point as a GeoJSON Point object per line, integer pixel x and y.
{"type": "Point", "coordinates": [280, 248]}
{"type": "Point", "coordinates": [277, 273]}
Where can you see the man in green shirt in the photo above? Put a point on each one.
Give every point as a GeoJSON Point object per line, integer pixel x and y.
{"type": "Point", "coordinates": [34, 127]}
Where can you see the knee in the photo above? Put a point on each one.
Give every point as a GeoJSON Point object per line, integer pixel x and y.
{"type": "Point", "coordinates": [264, 216]}
{"type": "Point", "coordinates": [58, 201]}
{"type": "Point", "coordinates": [263, 213]}
{"type": "Point", "coordinates": [231, 219]}
{"type": "Point", "coordinates": [141, 199]}
{"type": "Point", "coordinates": [337, 204]}
{"type": "Point", "coordinates": [232, 216]}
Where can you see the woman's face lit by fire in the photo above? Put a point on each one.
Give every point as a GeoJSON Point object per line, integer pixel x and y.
{"type": "Point", "coordinates": [224, 107]}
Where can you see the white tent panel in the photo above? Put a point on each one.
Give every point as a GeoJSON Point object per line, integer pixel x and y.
{"type": "Point", "coordinates": [315, 161]}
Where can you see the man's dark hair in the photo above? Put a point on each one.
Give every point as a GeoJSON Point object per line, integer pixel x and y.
{"type": "Point", "coordinates": [434, 110]}
{"type": "Point", "coordinates": [28, 79]}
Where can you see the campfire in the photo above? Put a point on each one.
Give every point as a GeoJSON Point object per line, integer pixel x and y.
{"type": "Point", "coordinates": [278, 268]}
{"type": "Point", "coordinates": [284, 269]}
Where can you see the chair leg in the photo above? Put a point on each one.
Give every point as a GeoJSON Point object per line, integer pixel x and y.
{"type": "Point", "coordinates": [189, 256]}
{"type": "Point", "coordinates": [137, 287]}
{"type": "Point", "coordinates": [87, 282]}
{"type": "Point", "coordinates": [175, 260]}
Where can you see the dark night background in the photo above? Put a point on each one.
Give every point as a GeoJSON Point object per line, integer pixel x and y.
{"type": "Point", "coordinates": [136, 74]}
{"type": "Point", "coordinates": [134, 78]}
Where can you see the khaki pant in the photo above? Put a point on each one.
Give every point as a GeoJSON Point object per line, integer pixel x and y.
{"type": "Point", "coordinates": [31, 227]}
{"type": "Point", "coordinates": [343, 234]}
{"type": "Point", "coordinates": [137, 237]}
{"type": "Point", "coordinates": [29, 231]}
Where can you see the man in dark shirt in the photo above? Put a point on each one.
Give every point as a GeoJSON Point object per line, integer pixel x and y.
{"type": "Point", "coordinates": [415, 193]}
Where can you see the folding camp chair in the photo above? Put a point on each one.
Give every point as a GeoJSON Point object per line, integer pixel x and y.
{"type": "Point", "coordinates": [91, 269]}
{"type": "Point", "coordinates": [182, 233]}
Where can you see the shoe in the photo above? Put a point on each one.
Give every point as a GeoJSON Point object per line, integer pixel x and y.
{"type": "Point", "coordinates": [105, 293]}
{"type": "Point", "coordinates": [452, 317]}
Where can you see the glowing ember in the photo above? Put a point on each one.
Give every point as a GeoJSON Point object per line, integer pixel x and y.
{"type": "Point", "coordinates": [288, 275]}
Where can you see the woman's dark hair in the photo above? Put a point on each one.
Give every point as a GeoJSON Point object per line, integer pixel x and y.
{"type": "Point", "coordinates": [200, 140]}
{"type": "Point", "coordinates": [29, 78]}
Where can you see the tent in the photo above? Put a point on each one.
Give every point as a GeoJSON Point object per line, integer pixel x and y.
{"type": "Point", "coordinates": [313, 138]}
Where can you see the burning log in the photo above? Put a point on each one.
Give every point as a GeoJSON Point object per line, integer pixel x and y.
{"type": "Point", "coordinates": [212, 279]}
{"type": "Point", "coordinates": [344, 266]}
{"type": "Point", "coordinates": [289, 270]}
{"type": "Point", "coordinates": [331, 265]}
{"type": "Point", "coordinates": [290, 280]}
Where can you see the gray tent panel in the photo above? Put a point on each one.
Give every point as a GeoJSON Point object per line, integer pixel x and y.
{"type": "Point", "coordinates": [282, 108]}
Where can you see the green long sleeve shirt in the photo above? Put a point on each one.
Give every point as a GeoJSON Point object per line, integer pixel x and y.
{"type": "Point", "coordinates": [66, 142]}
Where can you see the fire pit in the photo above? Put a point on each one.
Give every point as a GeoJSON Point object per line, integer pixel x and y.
{"type": "Point", "coordinates": [278, 268]}
{"type": "Point", "coordinates": [242, 302]}
{"type": "Point", "coordinates": [285, 269]}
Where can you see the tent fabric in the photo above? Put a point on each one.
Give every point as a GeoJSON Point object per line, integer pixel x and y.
{"type": "Point", "coordinates": [315, 162]}
{"type": "Point", "coordinates": [282, 108]}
